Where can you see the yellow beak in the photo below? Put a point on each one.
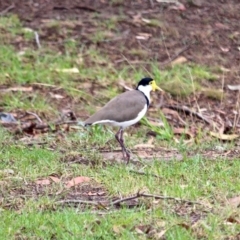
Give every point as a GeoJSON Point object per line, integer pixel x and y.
{"type": "Point", "coordinates": [155, 86]}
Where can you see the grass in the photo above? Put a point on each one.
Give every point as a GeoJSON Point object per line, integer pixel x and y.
{"type": "Point", "coordinates": [30, 211]}
{"type": "Point", "coordinates": [207, 181]}
{"type": "Point", "coordinates": [183, 80]}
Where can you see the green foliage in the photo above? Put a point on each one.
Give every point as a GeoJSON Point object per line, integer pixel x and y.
{"type": "Point", "coordinates": [183, 79]}
{"type": "Point", "coordinates": [165, 132]}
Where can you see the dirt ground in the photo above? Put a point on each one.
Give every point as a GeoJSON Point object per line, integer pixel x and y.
{"type": "Point", "coordinates": [204, 32]}
{"type": "Point", "coordinates": [209, 28]}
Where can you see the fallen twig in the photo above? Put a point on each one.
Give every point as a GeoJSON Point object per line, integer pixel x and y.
{"type": "Point", "coordinates": [34, 143]}
{"type": "Point", "coordinates": [86, 8]}
{"type": "Point", "coordinates": [146, 174]}
{"type": "Point", "coordinates": [37, 39]}
{"type": "Point", "coordinates": [190, 112]}
{"type": "Point", "coordinates": [138, 195]}
{"type": "Point", "coordinates": [167, 1]}
{"type": "Point", "coordinates": [7, 9]}
{"type": "Point", "coordinates": [100, 212]}
{"type": "Point", "coordinates": [151, 3]}
{"type": "Point", "coordinates": [35, 115]}
{"type": "Point", "coordinates": [176, 55]}
{"type": "Point", "coordinates": [118, 201]}
{"type": "Point", "coordinates": [50, 125]}
{"type": "Point", "coordinates": [78, 202]}
{"type": "Point", "coordinates": [169, 198]}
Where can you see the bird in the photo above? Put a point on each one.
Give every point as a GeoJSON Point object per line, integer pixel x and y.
{"type": "Point", "coordinates": [125, 110]}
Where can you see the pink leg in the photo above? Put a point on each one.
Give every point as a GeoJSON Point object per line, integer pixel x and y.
{"type": "Point", "coordinates": [119, 137]}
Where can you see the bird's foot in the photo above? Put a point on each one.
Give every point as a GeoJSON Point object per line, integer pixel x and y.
{"type": "Point", "coordinates": [126, 155]}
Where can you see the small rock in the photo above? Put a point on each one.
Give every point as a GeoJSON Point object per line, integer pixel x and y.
{"type": "Point", "coordinates": [220, 148]}
{"type": "Point", "coordinates": [197, 3]}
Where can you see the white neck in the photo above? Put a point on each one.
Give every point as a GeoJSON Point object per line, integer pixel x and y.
{"type": "Point", "coordinates": [146, 91]}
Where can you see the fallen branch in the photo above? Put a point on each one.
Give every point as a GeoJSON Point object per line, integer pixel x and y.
{"type": "Point", "coordinates": [78, 202]}
{"type": "Point", "coordinates": [190, 112]}
{"type": "Point", "coordinates": [118, 201]}
{"type": "Point", "coordinates": [167, 1]}
{"type": "Point", "coordinates": [86, 8]}
{"type": "Point", "coordinates": [170, 198]}
{"type": "Point", "coordinates": [146, 174]}
{"type": "Point", "coordinates": [138, 195]}
{"type": "Point", "coordinates": [35, 115]}
{"type": "Point", "coordinates": [176, 55]}
{"type": "Point", "coordinates": [12, 6]}
{"type": "Point", "coordinates": [34, 143]}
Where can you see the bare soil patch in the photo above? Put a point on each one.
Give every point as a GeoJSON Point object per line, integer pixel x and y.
{"type": "Point", "coordinates": [210, 29]}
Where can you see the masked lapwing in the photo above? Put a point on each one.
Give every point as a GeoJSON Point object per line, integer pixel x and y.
{"type": "Point", "coordinates": [125, 110]}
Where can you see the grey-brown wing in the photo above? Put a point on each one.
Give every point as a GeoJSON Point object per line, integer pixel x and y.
{"type": "Point", "coordinates": [124, 107]}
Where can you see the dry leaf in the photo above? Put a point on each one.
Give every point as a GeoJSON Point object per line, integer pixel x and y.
{"type": "Point", "coordinates": [184, 225]}
{"type": "Point", "coordinates": [221, 26]}
{"type": "Point", "coordinates": [142, 145]}
{"type": "Point", "coordinates": [232, 219]}
{"type": "Point", "coordinates": [96, 193]}
{"type": "Point", "coordinates": [160, 234]}
{"type": "Point", "coordinates": [3, 183]}
{"type": "Point", "coordinates": [156, 123]}
{"type": "Point", "coordinates": [76, 181]}
{"type": "Point", "coordinates": [166, 111]}
{"type": "Point", "coordinates": [139, 231]}
{"type": "Point", "coordinates": [223, 69]}
{"type": "Point", "coordinates": [146, 20]}
{"type": "Point", "coordinates": [117, 229]}
{"type": "Point", "coordinates": [43, 182]}
{"type": "Point", "coordinates": [143, 36]}
{"type": "Point", "coordinates": [234, 201]}
{"type": "Point", "coordinates": [8, 171]}
{"type": "Point", "coordinates": [234, 87]}
{"type": "Point", "coordinates": [182, 131]}
{"type": "Point", "coordinates": [55, 179]}
{"type": "Point", "coordinates": [56, 96]}
{"type": "Point", "coordinates": [68, 70]}
{"type": "Point", "coordinates": [150, 140]}
{"type": "Point", "coordinates": [137, 18]}
{"type": "Point", "coordinates": [224, 49]}
{"type": "Point", "coordinates": [179, 60]}
{"type": "Point", "coordinates": [101, 193]}
{"type": "Point", "coordinates": [178, 6]}
{"type": "Point", "coordinates": [143, 154]}
{"type": "Point", "coordinates": [227, 137]}
{"type": "Point", "coordinates": [26, 29]}
{"type": "Point", "coordinates": [197, 3]}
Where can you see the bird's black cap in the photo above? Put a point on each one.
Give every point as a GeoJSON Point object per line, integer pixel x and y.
{"type": "Point", "coordinates": [145, 81]}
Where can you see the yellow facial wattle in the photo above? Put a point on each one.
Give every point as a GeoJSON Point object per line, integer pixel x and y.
{"type": "Point", "coordinates": [155, 86]}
